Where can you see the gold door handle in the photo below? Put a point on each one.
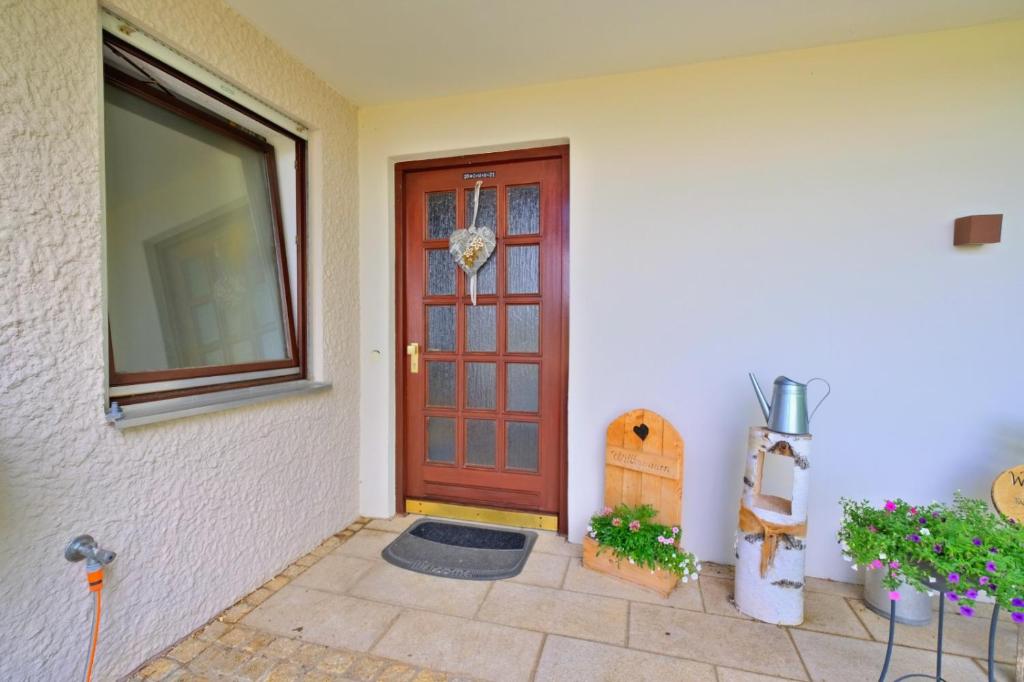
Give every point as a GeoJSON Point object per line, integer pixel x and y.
{"type": "Point", "coordinates": [413, 351]}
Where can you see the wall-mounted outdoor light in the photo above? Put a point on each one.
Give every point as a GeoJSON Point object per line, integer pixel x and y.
{"type": "Point", "coordinates": [978, 229]}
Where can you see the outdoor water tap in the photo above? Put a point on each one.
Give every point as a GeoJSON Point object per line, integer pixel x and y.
{"type": "Point", "coordinates": [84, 547]}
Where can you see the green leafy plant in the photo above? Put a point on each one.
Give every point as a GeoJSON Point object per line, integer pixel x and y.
{"type": "Point", "coordinates": [631, 534]}
{"type": "Point", "coordinates": [963, 548]}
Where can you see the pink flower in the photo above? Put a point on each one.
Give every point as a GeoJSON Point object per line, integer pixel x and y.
{"type": "Point", "coordinates": [616, 522]}
{"type": "Point", "coordinates": [890, 506]}
{"type": "Point", "coordinates": [894, 595]}
{"type": "Point", "coordinates": [634, 525]}
{"type": "Point", "coordinates": [913, 511]}
{"type": "Point", "coordinates": [606, 511]}
{"type": "Point", "coordinates": [872, 529]}
{"type": "Point", "coordinates": [877, 563]}
{"type": "Point", "coordinates": [675, 530]}
{"type": "Point", "coordinates": [894, 564]}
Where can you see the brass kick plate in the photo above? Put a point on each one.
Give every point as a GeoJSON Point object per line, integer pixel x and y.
{"type": "Point", "coordinates": [499, 517]}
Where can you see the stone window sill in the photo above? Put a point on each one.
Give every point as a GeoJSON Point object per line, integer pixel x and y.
{"type": "Point", "coordinates": [188, 406]}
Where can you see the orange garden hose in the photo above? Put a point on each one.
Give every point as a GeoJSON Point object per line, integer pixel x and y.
{"type": "Point", "coordinates": [95, 579]}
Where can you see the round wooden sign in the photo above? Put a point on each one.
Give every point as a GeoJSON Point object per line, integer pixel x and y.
{"type": "Point", "coordinates": [1008, 493]}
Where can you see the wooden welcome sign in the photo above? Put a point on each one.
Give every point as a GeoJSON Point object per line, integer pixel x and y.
{"type": "Point", "coordinates": [643, 464]}
{"type": "Point", "coordinates": [1008, 493]}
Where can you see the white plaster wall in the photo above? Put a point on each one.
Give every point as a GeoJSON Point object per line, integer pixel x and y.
{"type": "Point", "coordinates": [201, 511]}
{"type": "Point", "coordinates": [787, 213]}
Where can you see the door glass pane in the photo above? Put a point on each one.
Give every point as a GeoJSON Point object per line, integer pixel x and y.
{"type": "Point", "coordinates": [441, 327]}
{"type": "Point", "coordinates": [481, 332]}
{"type": "Point", "coordinates": [480, 440]}
{"type": "Point", "coordinates": [440, 273]}
{"type": "Point", "coordinates": [487, 216]}
{"type": "Point", "coordinates": [521, 445]}
{"type": "Point", "coordinates": [523, 277]}
{"type": "Point", "coordinates": [523, 209]}
{"type": "Point", "coordinates": [486, 276]}
{"type": "Point", "coordinates": [523, 328]}
{"type": "Point", "coordinates": [522, 388]}
{"type": "Point", "coordinates": [440, 214]}
{"type": "Point", "coordinates": [440, 383]}
{"type": "Point", "coordinates": [191, 242]}
{"type": "Point", "coordinates": [441, 439]}
{"type": "Point", "coordinates": [481, 381]}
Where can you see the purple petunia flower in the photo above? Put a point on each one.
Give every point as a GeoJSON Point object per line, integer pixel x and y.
{"type": "Point", "coordinates": [990, 567]}
{"type": "Point", "coordinates": [952, 596]}
{"type": "Point", "coordinates": [971, 594]}
{"type": "Point", "coordinates": [966, 611]}
{"type": "Point", "coordinates": [914, 537]}
{"type": "Point", "coordinates": [1018, 617]}
{"type": "Point", "coordinates": [922, 520]}
{"type": "Point", "coordinates": [993, 550]}
{"type": "Point", "coordinates": [983, 580]}
{"type": "Point", "coordinates": [1018, 602]}
{"type": "Point", "coordinates": [953, 577]}
{"type": "Point", "coordinates": [976, 542]}
{"type": "Point", "coordinates": [937, 549]}
{"type": "Point", "coordinates": [935, 515]}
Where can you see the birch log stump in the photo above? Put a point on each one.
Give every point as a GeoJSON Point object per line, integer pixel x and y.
{"type": "Point", "coordinates": [770, 540]}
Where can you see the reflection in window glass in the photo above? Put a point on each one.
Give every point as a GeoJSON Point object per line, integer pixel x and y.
{"type": "Point", "coordinates": [193, 269]}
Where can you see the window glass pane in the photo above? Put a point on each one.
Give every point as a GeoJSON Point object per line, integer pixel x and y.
{"type": "Point", "coordinates": [522, 387]}
{"type": "Point", "coordinates": [481, 380]}
{"type": "Point", "coordinates": [480, 439]}
{"type": "Point", "coordinates": [441, 327]}
{"type": "Point", "coordinates": [440, 273]}
{"type": "Point", "coordinates": [521, 445]}
{"type": "Point", "coordinates": [481, 333]}
{"type": "Point", "coordinates": [191, 242]}
{"type": "Point", "coordinates": [524, 209]}
{"type": "Point", "coordinates": [440, 384]}
{"type": "Point", "coordinates": [523, 328]}
{"type": "Point", "coordinates": [440, 214]}
{"type": "Point", "coordinates": [441, 439]}
{"type": "Point", "coordinates": [522, 273]}
{"type": "Point", "coordinates": [487, 215]}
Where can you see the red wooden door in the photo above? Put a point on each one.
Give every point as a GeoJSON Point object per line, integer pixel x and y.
{"type": "Point", "coordinates": [483, 417]}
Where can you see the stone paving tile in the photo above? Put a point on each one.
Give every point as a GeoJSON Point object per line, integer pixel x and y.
{"type": "Point", "coordinates": [718, 596]}
{"type": "Point", "coordinates": [485, 650]}
{"type": "Point", "coordinates": [733, 675]}
{"type": "Point", "coordinates": [551, 543]}
{"type": "Point", "coordinates": [854, 590]}
{"type": "Point", "coordinates": [334, 573]}
{"type": "Point", "coordinates": [366, 544]}
{"type": "Point", "coordinates": [322, 617]}
{"type": "Point", "coordinates": [555, 611]}
{"type": "Point", "coordinates": [545, 570]}
{"type": "Point", "coordinates": [963, 636]}
{"type": "Point", "coordinates": [732, 642]}
{"type": "Point", "coordinates": [393, 585]}
{"type": "Point", "coordinates": [842, 659]}
{"type": "Point", "coordinates": [573, 660]}
{"type": "Point", "coordinates": [396, 524]}
{"type": "Point", "coordinates": [579, 579]}
{"type": "Point", "coordinates": [825, 612]}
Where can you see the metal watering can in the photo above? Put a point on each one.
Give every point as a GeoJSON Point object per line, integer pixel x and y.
{"type": "Point", "coordinates": [787, 412]}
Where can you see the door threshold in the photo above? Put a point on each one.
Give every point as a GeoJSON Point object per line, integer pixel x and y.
{"type": "Point", "coordinates": [499, 517]}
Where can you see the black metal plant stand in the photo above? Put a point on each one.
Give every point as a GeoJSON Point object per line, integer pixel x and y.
{"type": "Point", "coordinates": [938, 645]}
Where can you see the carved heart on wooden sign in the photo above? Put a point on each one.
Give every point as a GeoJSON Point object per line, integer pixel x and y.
{"type": "Point", "coordinates": [641, 431]}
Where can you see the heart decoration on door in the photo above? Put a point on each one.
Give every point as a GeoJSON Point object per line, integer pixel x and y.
{"type": "Point", "coordinates": [472, 246]}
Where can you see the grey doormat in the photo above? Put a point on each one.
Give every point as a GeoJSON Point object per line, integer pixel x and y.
{"type": "Point", "coordinates": [458, 550]}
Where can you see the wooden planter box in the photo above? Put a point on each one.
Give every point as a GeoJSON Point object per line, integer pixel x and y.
{"type": "Point", "coordinates": [609, 563]}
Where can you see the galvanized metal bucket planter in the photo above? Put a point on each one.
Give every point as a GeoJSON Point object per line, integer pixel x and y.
{"type": "Point", "coordinates": [913, 608]}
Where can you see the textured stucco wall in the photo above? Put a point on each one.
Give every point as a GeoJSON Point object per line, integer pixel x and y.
{"type": "Point", "coordinates": [200, 510]}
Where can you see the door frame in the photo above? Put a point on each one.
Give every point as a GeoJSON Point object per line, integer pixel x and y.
{"type": "Point", "coordinates": [401, 170]}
